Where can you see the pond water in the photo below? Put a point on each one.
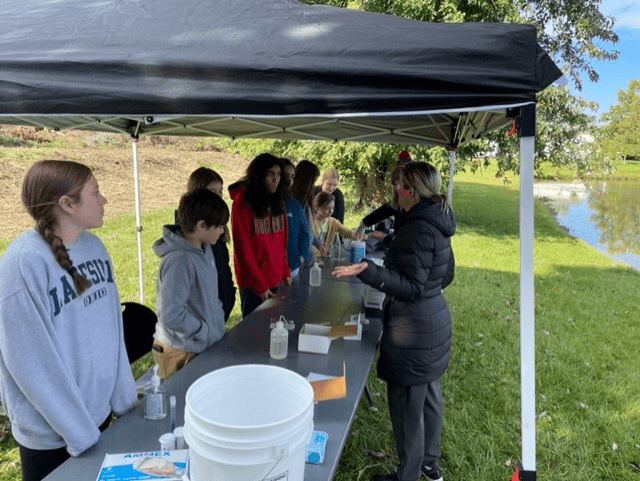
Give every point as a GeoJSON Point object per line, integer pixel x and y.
{"type": "Point", "coordinates": [605, 214]}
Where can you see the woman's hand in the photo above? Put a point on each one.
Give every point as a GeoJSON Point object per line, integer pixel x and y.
{"type": "Point", "coordinates": [351, 270]}
{"type": "Point", "coordinates": [324, 252]}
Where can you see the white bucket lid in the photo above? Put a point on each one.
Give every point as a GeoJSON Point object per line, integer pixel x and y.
{"type": "Point", "coordinates": [249, 397]}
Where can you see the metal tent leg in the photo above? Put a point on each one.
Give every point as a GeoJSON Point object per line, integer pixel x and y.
{"type": "Point", "coordinates": [368, 394]}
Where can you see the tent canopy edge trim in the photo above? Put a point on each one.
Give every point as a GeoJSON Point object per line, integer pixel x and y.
{"type": "Point", "coordinates": [420, 127]}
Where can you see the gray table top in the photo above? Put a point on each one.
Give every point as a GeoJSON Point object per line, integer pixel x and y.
{"type": "Point", "coordinates": [248, 343]}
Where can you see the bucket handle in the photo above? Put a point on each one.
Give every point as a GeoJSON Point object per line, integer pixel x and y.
{"type": "Point", "coordinates": [282, 453]}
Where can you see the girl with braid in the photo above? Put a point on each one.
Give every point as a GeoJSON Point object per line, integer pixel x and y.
{"type": "Point", "coordinates": [63, 365]}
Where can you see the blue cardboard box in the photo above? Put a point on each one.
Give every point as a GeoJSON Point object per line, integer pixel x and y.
{"type": "Point", "coordinates": [316, 447]}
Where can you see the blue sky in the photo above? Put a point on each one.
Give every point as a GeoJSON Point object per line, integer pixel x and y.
{"type": "Point", "coordinates": [615, 75]}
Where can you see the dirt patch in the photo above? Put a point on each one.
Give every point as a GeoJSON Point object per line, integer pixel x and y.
{"type": "Point", "coordinates": [164, 167]}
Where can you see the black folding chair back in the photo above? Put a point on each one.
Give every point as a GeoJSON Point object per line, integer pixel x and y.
{"type": "Point", "coordinates": [139, 323]}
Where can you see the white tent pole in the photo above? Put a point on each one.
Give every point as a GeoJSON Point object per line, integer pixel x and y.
{"type": "Point", "coordinates": [527, 299]}
{"type": "Point", "coordinates": [136, 187]}
{"type": "Point", "coordinates": [452, 169]}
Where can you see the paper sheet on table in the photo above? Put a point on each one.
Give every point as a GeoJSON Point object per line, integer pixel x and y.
{"type": "Point", "coordinates": [343, 330]}
{"type": "Point", "coordinates": [328, 387]}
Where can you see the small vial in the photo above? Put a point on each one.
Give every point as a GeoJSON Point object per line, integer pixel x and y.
{"type": "Point", "coordinates": [167, 442]}
{"type": "Point", "coordinates": [172, 412]}
{"type": "Point", "coordinates": [279, 341]}
{"type": "Point", "coordinates": [179, 434]}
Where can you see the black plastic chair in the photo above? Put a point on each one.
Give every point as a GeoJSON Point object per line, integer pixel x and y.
{"type": "Point", "coordinates": [139, 323]}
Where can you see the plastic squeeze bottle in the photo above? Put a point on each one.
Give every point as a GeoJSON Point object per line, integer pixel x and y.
{"type": "Point", "coordinates": [336, 248]}
{"type": "Point", "coordinates": [155, 400]}
{"type": "Point", "coordinates": [279, 341]}
{"type": "Point", "coordinates": [315, 275]}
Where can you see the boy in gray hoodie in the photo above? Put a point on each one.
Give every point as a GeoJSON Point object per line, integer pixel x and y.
{"type": "Point", "coordinates": [190, 314]}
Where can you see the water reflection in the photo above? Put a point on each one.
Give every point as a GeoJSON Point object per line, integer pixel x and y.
{"type": "Point", "coordinates": [605, 214]}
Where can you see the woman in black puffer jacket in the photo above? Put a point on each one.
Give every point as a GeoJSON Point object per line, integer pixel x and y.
{"type": "Point", "coordinates": [416, 338]}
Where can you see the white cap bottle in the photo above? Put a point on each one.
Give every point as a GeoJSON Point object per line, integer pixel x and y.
{"type": "Point", "coordinates": [279, 341]}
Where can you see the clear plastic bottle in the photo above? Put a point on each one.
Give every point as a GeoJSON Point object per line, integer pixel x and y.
{"type": "Point", "coordinates": [315, 275]}
{"type": "Point", "coordinates": [279, 341]}
{"type": "Point", "coordinates": [336, 248]}
{"type": "Point", "coordinates": [155, 399]}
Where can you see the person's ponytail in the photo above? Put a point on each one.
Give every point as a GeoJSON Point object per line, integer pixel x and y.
{"type": "Point", "coordinates": [427, 182]}
{"type": "Point", "coordinates": [45, 182]}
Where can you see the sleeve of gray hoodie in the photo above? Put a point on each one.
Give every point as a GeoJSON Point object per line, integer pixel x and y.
{"type": "Point", "coordinates": [176, 277]}
{"type": "Point", "coordinates": [124, 393]}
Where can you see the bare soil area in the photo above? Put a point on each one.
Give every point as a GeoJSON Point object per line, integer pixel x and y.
{"type": "Point", "coordinates": [164, 166]}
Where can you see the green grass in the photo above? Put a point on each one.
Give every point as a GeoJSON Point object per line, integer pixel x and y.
{"type": "Point", "coordinates": [587, 381]}
{"type": "Point", "coordinates": [629, 170]}
{"type": "Point", "coordinates": [587, 366]}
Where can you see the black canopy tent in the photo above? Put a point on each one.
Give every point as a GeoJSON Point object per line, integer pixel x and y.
{"type": "Point", "coordinates": [279, 69]}
{"type": "Point", "coordinates": [262, 69]}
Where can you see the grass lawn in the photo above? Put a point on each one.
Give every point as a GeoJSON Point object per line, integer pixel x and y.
{"type": "Point", "coordinates": [629, 170]}
{"type": "Point", "coordinates": [587, 367]}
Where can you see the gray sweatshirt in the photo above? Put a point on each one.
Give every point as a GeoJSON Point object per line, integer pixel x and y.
{"type": "Point", "coordinates": [190, 315]}
{"type": "Point", "coordinates": [63, 364]}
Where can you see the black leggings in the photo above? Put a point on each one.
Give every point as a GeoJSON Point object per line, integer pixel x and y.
{"type": "Point", "coordinates": [38, 463]}
{"type": "Point", "coordinates": [249, 301]}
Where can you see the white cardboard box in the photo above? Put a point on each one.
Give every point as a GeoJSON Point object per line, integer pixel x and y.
{"type": "Point", "coordinates": [317, 338]}
{"type": "Point", "coordinates": [314, 338]}
{"type": "Point", "coordinates": [356, 320]}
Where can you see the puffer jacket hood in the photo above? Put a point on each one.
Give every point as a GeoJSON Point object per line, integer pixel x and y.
{"type": "Point", "coordinates": [433, 214]}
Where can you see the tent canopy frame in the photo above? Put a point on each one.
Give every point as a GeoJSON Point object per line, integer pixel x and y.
{"type": "Point", "coordinates": [281, 69]}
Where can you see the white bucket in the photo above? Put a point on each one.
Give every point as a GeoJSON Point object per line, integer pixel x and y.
{"type": "Point", "coordinates": [248, 423]}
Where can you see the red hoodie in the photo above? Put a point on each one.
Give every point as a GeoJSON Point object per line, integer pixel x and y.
{"type": "Point", "coordinates": [259, 245]}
